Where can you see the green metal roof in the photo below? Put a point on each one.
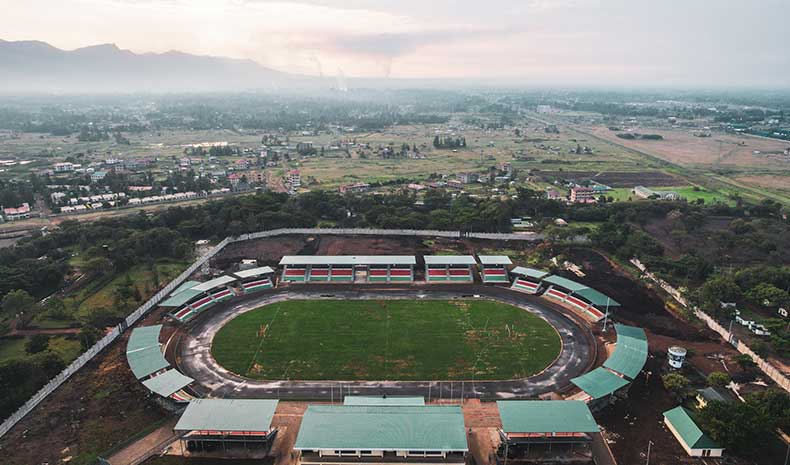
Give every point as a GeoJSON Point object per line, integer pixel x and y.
{"type": "Point", "coordinates": [529, 272]}
{"type": "Point", "coordinates": [144, 337]}
{"type": "Point", "coordinates": [596, 297]}
{"type": "Point", "coordinates": [689, 432]}
{"type": "Point", "coordinates": [546, 416]}
{"type": "Point", "coordinates": [348, 260]}
{"type": "Point", "coordinates": [212, 283]}
{"type": "Point", "coordinates": [184, 286]}
{"type": "Point", "coordinates": [227, 415]}
{"type": "Point", "coordinates": [167, 383]}
{"type": "Point", "coordinates": [424, 428]}
{"type": "Point", "coordinates": [494, 260]}
{"type": "Point", "coordinates": [144, 362]}
{"type": "Point", "coordinates": [254, 272]}
{"type": "Point", "coordinates": [449, 260]}
{"type": "Point", "coordinates": [564, 282]}
{"type": "Point", "coordinates": [381, 400]}
{"type": "Point", "coordinates": [599, 383]}
{"type": "Point", "coordinates": [183, 296]}
{"type": "Point", "coordinates": [630, 353]}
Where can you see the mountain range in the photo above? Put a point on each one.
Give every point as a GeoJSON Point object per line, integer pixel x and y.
{"type": "Point", "coordinates": [38, 67]}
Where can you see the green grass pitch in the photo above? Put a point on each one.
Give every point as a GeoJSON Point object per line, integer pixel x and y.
{"type": "Point", "coordinates": [386, 340]}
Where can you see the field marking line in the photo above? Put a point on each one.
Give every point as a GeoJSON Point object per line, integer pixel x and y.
{"type": "Point", "coordinates": [260, 344]}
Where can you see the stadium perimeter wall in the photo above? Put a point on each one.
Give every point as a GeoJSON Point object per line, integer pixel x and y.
{"type": "Point", "coordinates": [135, 316]}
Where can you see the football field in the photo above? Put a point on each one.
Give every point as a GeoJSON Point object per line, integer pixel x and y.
{"type": "Point", "coordinates": [386, 340]}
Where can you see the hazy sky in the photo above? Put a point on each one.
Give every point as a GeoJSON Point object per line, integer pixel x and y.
{"type": "Point", "coordinates": [598, 42]}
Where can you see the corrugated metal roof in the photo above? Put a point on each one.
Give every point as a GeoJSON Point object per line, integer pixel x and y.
{"type": "Point", "coordinates": [216, 282]}
{"type": "Point", "coordinates": [599, 383]}
{"type": "Point", "coordinates": [227, 415]}
{"type": "Point", "coordinates": [450, 260]}
{"type": "Point", "coordinates": [184, 286]}
{"type": "Point", "coordinates": [681, 421]}
{"type": "Point", "coordinates": [564, 282]}
{"type": "Point", "coordinates": [630, 353]}
{"type": "Point", "coordinates": [182, 297]}
{"type": "Point", "coordinates": [546, 416]}
{"type": "Point", "coordinates": [167, 383]}
{"type": "Point", "coordinates": [146, 361]}
{"type": "Point", "coordinates": [381, 400]}
{"type": "Point", "coordinates": [348, 260]}
{"type": "Point", "coordinates": [494, 259]}
{"type": "Point", "coordinates": [426, 428]}
{"type": "Point", "coordinates": [597, 298]}
{"type": "Point", "coordinates": [252, 272]}
{"type": "Point", "coordinates": [529, 272]}
{"type": "Point", "coordinates": [144, 337]}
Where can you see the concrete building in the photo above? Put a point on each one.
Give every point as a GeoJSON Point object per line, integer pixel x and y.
{"type": "Point", "coordinates": [346, 268]}
{"type": "Point", "coordinates": [582, 195]}
{"type": "Point", "coordinates": [527, 279]}
{"type": "Point", "coordinates": [449, 268]}
{"type": "Point", "coordinates": [294, 178]}
{"type": "Point", "coordinates": [494, 268]}
{"type": "Point", "coordinates": [21, 212]}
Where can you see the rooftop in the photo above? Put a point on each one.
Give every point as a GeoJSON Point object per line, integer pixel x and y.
{"type": "Point", "coordinates": [253, 272]}
{"type": "Point", "coordinates": [167, 383]}
{"type": "Point", "coordinates": [384, 400]}
{"type": "Point", "coordinates": [494, 259]}
{"type": "Point", "coordinates": [143, 337]}
{"type": "Point", "coordinates": [449, 260]}
{"type": "Point", "coordinates": [228, 415]}
{"type": "Point", "coordinates": [216, 282]}
{"type": "Point", "coordinates": [348, 260]}
{"type": "Point", "coordinates": [588, 293]}
{"type": "Point", "coordinates": [630, 353]}
{"type": "Point", "coordinates": [599, 383]}
{"type": "Point", "coordinates": [546, 416]}
{"type": "Point", "coordinates": [681, 421]}
{"type": "Point", "coordinates": [529, 272]}
{"type": "Point", "coordinates": [423, 428]}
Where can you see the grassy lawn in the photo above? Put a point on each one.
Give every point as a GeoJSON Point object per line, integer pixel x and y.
{"type": "Point", "coordinates": [142, 278]}
{"type": "Point", "coordinates": [14, 348]}
{"type": "Point", "coordinates": [11, 348]}
{"type": "Point", "coordinates": [623, 194]}
{"type": "Point", "coordinates": [386, 340]}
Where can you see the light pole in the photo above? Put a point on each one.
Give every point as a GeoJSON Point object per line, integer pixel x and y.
{"type": "Point", "coordinates": [606, 315]}
{"type": "Point", "coordinates": [650, 443]}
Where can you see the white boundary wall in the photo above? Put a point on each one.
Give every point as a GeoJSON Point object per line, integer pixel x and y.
{"type": "Point", "coordinates": [133, 317]}
{"type": "Point", "coordinates": [777, 376]}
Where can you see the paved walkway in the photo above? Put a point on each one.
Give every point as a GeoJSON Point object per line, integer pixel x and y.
{"type": "Point", "coordinates": [193, 348]}
{"type": "Point", "coordinates": [145, 447]}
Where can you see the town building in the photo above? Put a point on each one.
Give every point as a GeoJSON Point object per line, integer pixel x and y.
{"type": "Point", "coordinates": [19, 213]}
{"type": "Point", "coordinates": [294, 179]}
{"type": "Point", "coordinates": [582, 195]}
{"type": "Point", "coordinates": [65, 167]}
{"type": "Point", "coordinates": [356, 188]}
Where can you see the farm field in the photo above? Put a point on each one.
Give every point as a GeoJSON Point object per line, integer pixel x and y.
{"type": "Point", "coordinates": [689, 193]}
{"type": "Point", "coordinates": [386, 340]}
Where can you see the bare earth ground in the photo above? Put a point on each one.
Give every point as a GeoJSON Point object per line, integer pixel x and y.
{"type": "Point", "coordinates": [683, 148]}
{"type": "Point", "coordinates": [770, 181]}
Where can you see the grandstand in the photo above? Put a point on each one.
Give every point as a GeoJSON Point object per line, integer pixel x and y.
{"type": "Point", "coordinates": [592, 304]}
{"type": "Point", "coordinates": [193, 297]}
{"type": "Point", "coordinates": [495, 268]}
{"type": "Point", "coordinates": [630, 353]}
{"type": "Point", "coordinates": [449, 268]}
{"type": "Point", "coordinates": [255, 279]}
{"type": "Point", "coordinates": [344, 268]}
{"type": "Point", "coordinates": [534, 428]}
{"type": "Point", "coordinates": [527, 279]}
{"type": "Point", "coordinates": [212, 424]}
{"type": "Point", "coordinates": [147, 363]}
{"type": "Point", "coordinates": [392, 401]}
{"type": "Point", "coordinates": [599, 386]}
{"type": "Point", "coordinates": [413, 434]}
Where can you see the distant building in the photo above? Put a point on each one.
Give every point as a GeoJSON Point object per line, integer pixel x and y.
{"type": "Point", "coordinates": [455, 184]}
{"type": "Point", "coordinates": [19, 213]}
{"type": "Point", "coordinates": [645, 193]}
{"type": "Point", "coordinates": [242, 164]}
{"type": "Point", "coordinates": [256, 177]}
{"type": "Point", "coordinates": [357, 187]}
{"type": "Point", "coordinates": [65, 167]}
{"type": "Point", "coordinates": [294, 179]}
{"type": "Point", "coordinates": [582, 195]}
{"type": "Point", "coordinates": [98, 175]}
{"type": "Point", "coordinates": [468, 178]}
{"type": "Point", "coordinates": [553, 194]}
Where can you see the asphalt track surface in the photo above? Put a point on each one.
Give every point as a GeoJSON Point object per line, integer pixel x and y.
{"type": "Point", "coordinates": [191, 347]}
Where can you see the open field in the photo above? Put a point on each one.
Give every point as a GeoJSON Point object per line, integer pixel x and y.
{"type": "Point", "coordinates": [386, 340]}
{"type": "Point", "coordinates": [683, 148]}
{"type": "Point", "coordinates": [689, 193]}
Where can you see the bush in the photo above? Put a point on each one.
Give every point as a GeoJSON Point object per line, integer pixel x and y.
{"type": "Point", "coordinates": [718, 379]}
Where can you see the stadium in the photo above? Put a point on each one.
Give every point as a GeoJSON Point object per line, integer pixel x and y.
{"type": "Point", "coordinates": [380, 330]}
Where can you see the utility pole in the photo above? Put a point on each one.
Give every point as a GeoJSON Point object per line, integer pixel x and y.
{"type": "Point", "coordinates": [606, 316]}
{"type": "Point", "coordinates": [650, 443]}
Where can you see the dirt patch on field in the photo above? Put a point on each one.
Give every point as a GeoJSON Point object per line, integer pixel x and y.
{"type": "Point", "coordinates": [365, 245]}
{"type": "Point", "coordinates": [266, 251]}
{"type": "Point", "coordinates": [684, 148]}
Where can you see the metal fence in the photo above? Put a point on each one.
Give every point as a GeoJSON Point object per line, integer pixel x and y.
{"type": "Point", "coordinates": [83, 359]}
{"type": "Point", "coordinates": [133, 317]}
{"type": "Point", "coordinates": [771, 371]}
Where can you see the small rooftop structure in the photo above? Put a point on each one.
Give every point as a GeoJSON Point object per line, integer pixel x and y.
{"type": "Point", "coordinates": [546, 416]}
{"type": "Point", "coordinates": [695, 442]}
{"type": "Point", "coordinates": [228, 415]}
{"type": "Point", "coordinates": [450, 260]}
{"type": "Point", "coordinates": [599, 383]}
{"type": "Point", "coordinates": [143, 353]}
{"type": "Point", "coordinates": [254, 272]}
{"type": "Point", "coordinates": [213, 283]}
{"type": "Point", "coordinates": [168, 383]}
{"type": "Point", "coordinates": [529, 272]}
{"type": "Point", "coordinates": [348, 260]}
{"type": "Point", "coordinates": [494, 260]}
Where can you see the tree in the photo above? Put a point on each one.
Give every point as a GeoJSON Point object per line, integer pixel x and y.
{"type": "Point", "coordinates": [737, 426]}
{"type": "Point", "coordinates": [677, 384]}
{"type": "Point", "coordinates": [88, 336]}
{"type": "Point", "coordinates": [768, 295]}
{"type": "Point", "coordinates": [716, 290]}
{"type": "Point", "coordinates": [774, 404]}
{"type": "Point", "coordinates": [16, 301]}
{"type": "Point", "coordinates": [718, 379]}
{"type": "Point", "coordinates": [745, 361]}
{"type": "Point", "coordinates": [37, 343]}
